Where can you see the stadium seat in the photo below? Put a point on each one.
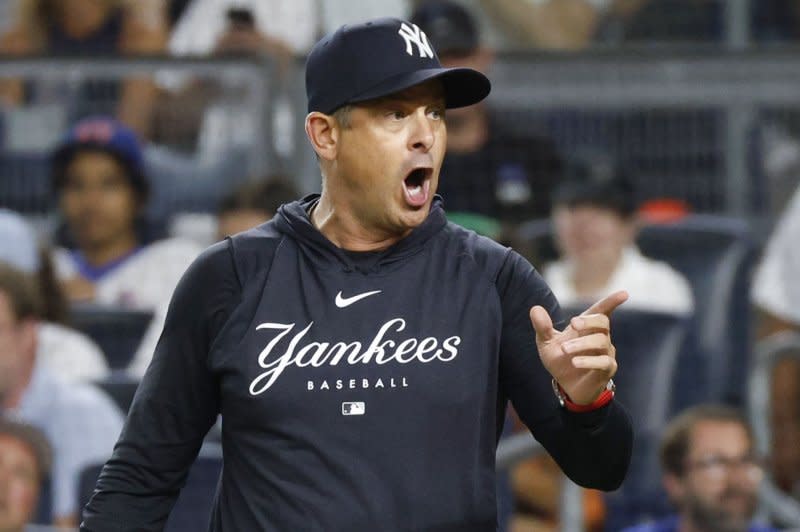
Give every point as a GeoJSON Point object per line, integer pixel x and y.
{"type": "Point", "coordinates": [86, 484]}
{"type": "Point", "coordinates": [120, 387]}
{"type": "Point", "coordinates": [717, 255]}
{"type": "Point", "coordinates": [44, 507]}
{"type": "Point", "coordinates": [118, 332]}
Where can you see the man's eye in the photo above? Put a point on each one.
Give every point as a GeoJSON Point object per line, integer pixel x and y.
{"type": "Point", "coordinates": [437, 114]}
{"type": "Point", "coordinates": [397, 115]}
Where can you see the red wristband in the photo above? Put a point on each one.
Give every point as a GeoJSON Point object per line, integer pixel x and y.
{"type": "Point", "coordinates": [601, 401]}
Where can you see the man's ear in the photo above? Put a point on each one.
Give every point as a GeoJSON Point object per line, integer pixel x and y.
{"type": "Point", "coordinates": [323, 132]}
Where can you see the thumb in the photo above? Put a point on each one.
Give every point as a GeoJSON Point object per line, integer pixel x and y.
{"type": "Point", "coordinates": [542, 324]}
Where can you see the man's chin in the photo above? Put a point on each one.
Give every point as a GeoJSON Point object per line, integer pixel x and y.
{"type": "Point", "coordinates": [415, 216]}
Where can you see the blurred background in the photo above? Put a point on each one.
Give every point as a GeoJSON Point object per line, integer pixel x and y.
{"type": "Point", "coordinates": [651, 145]}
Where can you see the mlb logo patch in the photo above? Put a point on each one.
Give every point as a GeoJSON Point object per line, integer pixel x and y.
{"type": "Point", "coordinates": [353, 409]}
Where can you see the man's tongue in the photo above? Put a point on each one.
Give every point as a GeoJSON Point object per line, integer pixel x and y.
{"type": "Point", "coordinates": [416, 192]}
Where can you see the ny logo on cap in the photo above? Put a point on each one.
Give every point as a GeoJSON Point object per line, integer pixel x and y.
{"type": "Point", "coordinates": [412, 34]}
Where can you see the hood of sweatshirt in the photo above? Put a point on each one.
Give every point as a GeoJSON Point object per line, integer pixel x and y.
{"type": "Point", "coordinates": [292, 219]}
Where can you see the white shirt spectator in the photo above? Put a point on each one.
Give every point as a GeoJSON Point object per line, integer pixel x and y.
{"type": "Point", "coordinates": [651, 285]}
{"type": "Point", "coordinates": [198, 29]}
{"type": "Point", "coordinates": [143, 280]}
{"type": "Point", "coordinates": [775, 287]}
{"type": "Point", "coordinates": [81, 423]}
{"type": "Point", "coordinates": [69, 354]}
{"type": "Point", "coordinates": [336, 13]}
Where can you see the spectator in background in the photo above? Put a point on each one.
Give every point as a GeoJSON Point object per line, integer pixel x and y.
{"type": "Point", "coordinates": [81, 422]}
{"type": "Point", "coordinates": [252, 204]}
{"type": "Point", "coordinates": [247, 206]}
{"type": "Point", "coordinates": [209, 116]}
{"type": "Point", "coordinates": [776, 295]}
{"type": "Point", "coordinates": [577, 24]}
{"type": "Point", "coordinates": [25, 461]}
{"type": "Point", "coordinates": [711, 472]}
{"type": "Point", "coordinates": [64, 351]}
{"type": "Point", "coordinates": [273, 27]}
{"type": "Point", "coordinates": [89, 27]}
{"type": "Point", "coordinates": [102, 189]}
{"type": "Point", "coordinates": [642, 21]}
{"type": "Point", "coordinates": [488, 170]}
{"type": "Point", "coordinates": [549, 24]}
{"type": "Point", "coordinates": [595, 227]}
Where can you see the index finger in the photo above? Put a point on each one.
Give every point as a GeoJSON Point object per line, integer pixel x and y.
{"type": "Point", "coordinates": [607, 304]}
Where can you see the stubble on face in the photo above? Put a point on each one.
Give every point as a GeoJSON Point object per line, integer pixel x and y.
{"type": "Point", "coordinates": [727, 503]}
{"type": "Point", "coordinates": [389, 157]}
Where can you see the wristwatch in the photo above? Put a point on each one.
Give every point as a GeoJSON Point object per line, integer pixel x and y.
{"type": "Point", "coordinates": [603, 399]}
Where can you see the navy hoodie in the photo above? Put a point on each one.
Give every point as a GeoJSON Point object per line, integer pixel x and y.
{"type": "Point", "coordinates": [358, 391]}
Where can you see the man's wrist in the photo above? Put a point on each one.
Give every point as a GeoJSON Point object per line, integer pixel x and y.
{"type": "Point", "coordinates": [602, 400]}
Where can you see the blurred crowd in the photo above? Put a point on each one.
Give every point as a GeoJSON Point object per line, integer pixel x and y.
{"type": "Point", "coordinates": [110, 186]}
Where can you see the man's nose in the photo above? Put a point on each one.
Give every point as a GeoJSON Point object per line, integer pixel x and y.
{"type": "Point", "coordinates": [422, 135]}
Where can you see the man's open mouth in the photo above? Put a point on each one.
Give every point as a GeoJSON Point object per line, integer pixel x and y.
{"type": "Point", "coordinates": [417, 186]}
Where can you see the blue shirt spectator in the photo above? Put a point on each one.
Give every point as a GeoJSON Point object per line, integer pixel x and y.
{"type": "Point", "coordinates": [672, 524]}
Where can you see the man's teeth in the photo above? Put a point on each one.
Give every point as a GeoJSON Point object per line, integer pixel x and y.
{"type": "Point", "coordinates": [415, 190]}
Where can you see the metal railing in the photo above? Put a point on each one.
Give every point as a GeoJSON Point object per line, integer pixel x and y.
{"type": "Point", "coordinates": [256, 75]}
{"type": "Point", "coordinates": [736, 85]}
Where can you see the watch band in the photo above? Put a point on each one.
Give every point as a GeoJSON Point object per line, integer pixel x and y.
{"type": "Point", "coordinates": [602, 400]}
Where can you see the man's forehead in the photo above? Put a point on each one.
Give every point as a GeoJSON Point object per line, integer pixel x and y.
{"type": "Point", "coordinates": [712, 434]}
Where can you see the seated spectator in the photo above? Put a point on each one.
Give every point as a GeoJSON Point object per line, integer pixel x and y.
{"type": "Point", "coordinates": [776, 295]}
{"type": "Point", "coordinates": [537, 485]}
{"type": "Point", "coordinates": [548, 24]}
{"type": "Point", "coordinates": [25, 460]}
{"type": "Point", "coordinates": [89, 27]}
{"type": "Point", "coordinates": [247, 206]}
{"type": "Point", "coordinates": [80, 421]}
{"type": "Point", "coordinates": [595, 227]}
{"type": "Point", "coordinates": [711, 472]}
{"type": "Point", "coordinates": [279, 29]}
{"type": "Point", "coordinates": [64, 351]}
{"type": "Point", "coordinates": [487, 170]}
{"type": "Point", "coordinates": [577, 24]}
{"type": "Point", "coordinates": [252, 204]}
{"type": "Point", "coordinates": [102, 190]}
{"type": "Point", "coordinates": [208, 116]}
{"type": "Point", "coordinates": [642, 21]}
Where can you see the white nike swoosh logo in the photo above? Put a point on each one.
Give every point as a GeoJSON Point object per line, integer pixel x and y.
{"type": "Point", "coordinates": [342, 302]}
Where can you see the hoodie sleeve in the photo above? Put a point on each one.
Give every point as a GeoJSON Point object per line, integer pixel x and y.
{"type": "Point", "coordinates": [594, 448]}
{"type": "Point", "coordinates": [176, 404]}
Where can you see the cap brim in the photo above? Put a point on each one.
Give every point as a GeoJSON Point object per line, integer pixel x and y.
{"type": "Point", "coordinates": [462, 86]}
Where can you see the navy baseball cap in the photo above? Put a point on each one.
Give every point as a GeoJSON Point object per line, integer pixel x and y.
{"type": "Point", "coordinates": [364, 61]}
{"type": "Point", "coordinates": [107, 135]}
{"type": "Point", "coordinates": [449, 26]}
